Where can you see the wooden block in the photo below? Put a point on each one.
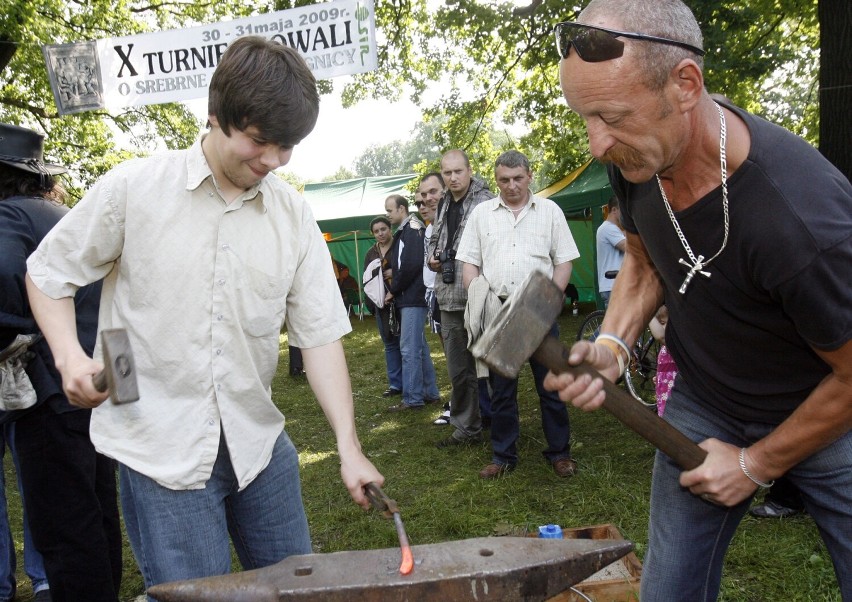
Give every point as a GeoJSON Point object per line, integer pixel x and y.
{"type": "Point", "coordinates": [618, 582]}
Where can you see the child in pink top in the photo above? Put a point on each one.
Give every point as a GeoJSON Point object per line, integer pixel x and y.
{"type": "Point", "coordinates": [666, 366]}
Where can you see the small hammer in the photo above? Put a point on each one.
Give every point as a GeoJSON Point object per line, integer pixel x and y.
{"type": "Point", "coordinates": [519, 330]}
{"type": "Point", "coordinates": [119, 373]}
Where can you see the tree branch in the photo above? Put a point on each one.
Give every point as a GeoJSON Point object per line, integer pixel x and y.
{"type": "Point", "coordinates": [526, 11]}
{"type": "Point", "coordinates": [38, 112]}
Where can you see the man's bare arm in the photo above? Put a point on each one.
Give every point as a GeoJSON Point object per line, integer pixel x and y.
{"type": "Point", "coordinates": [325, 367]}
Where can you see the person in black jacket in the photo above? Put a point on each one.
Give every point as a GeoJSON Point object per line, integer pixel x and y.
{"type": "Point", "coordinates": [408, 292]}
{"type": "Point", "coordinates": [70, 492]}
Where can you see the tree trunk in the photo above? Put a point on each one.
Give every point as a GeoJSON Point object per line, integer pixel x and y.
{"type": "Point", "coordinates": [835, 83]}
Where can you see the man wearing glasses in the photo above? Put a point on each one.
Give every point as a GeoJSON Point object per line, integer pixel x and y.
{"type": "Point", "coordinates": [745, 232]}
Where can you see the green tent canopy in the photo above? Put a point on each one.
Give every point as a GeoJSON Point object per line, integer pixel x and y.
{"type": "Point", "coordinates": [581, 195]}
{"type": "Point", "coordinates": [349, 205]}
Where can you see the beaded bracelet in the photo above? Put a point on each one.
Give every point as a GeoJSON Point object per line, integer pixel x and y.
{"type": "Point", "coordinates": [754, 480]}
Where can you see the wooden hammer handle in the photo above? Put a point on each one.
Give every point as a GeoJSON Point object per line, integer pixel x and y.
{"type": "Point", "coordinates": [100, 381]}
{"type": "Point", "coordinates": [554, 355]}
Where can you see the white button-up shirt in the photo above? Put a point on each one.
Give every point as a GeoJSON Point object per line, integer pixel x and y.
{"type": "Point", "coordinates": [506, 249]}
{"type": "Point", "coordinates": [203, 288]}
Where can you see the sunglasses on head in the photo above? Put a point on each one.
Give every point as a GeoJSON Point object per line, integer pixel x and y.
{"type": "Point", "coordinates": [598, 44]}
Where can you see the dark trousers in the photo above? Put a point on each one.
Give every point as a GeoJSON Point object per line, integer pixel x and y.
{"type": "Point", "coordinates": [70, 497]}
{"type": "Point", "coordinates": [505, 424]}
{"type": "Point", "coordinates": [295, 359]}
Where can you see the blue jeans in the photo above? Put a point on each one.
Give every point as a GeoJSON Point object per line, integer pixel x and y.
{"type": "Point", "coordinates": [184, 534]}
{"type": "Point", "coordinates": [505, 424]}
{"type": "Point", "coordinates": [688, 538]}
{"type": "Point", "coordinates": [393, 359]}
{"type": "Point", "coordinates": [418, 372]}
{"type": "Point", "coordinates": [33, 564]}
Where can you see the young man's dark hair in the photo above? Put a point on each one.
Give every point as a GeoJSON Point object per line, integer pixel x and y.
{"type": "Point", "coordinates": [285, 114]}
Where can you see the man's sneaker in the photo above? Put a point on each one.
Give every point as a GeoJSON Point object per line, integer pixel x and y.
{"type": "Point", "coordinates": [390, 392]}
{"type": "Point", "coordinates": [772, 509]}
{"type": "Point", "coordinates": [444, 418]}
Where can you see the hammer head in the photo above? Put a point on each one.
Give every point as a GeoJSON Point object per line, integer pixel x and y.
{"type": "Point", "coordinates": [119, 366]}
{"type": "Point", "coordinates": [520, 326]}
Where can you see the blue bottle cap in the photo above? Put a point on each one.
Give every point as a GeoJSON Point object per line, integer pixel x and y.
{"type": "Point", "coordinates": [550, 532]}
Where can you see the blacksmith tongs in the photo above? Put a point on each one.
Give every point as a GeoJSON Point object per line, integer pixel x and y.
{"type": "Point", "coordinates": [389, 509]}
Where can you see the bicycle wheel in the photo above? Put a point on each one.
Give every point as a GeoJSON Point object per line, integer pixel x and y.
{"type": "Point", "coordinates": [639, 376]}
{"type": "Point", "coordinates": [591, 326]}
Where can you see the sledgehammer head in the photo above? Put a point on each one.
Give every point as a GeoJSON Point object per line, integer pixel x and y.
{"type": "Point", "coordinates": [520, 326]}
{"type": "Point", "coordinates": [119, 373]}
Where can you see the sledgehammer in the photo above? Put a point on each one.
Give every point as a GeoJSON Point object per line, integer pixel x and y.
{"type": "Point", "coordinates": [519, 331]}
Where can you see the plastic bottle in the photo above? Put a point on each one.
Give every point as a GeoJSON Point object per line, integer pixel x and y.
{"type": "Point", "coordinates": [550, 532]}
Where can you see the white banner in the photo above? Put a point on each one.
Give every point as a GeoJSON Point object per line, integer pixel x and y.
{"type": "Point", "coordinates": [335, 38]}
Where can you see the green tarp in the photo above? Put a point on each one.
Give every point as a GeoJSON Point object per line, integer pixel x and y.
{"type": "Point", "coordinates": [582, 195]}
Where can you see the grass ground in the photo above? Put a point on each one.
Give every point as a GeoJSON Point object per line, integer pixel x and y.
{"type": "Point", "coordinates": [441, 498]}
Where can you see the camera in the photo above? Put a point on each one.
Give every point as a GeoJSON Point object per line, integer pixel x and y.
{"type": "Point", "coordinates": [448, 265]}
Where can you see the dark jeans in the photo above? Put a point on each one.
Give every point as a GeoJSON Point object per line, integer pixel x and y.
{"type": "Point", "coordinates": [505, 424]}
{"type": "Point", "coordinates": [295, 359]}
{"type": "Point", "coordinates": [71, 505]}
{"type": "Point", "coordinates": [688, 538]}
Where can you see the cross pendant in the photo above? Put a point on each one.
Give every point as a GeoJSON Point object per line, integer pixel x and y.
{"type": "Point", "coordinates": [693, 269]}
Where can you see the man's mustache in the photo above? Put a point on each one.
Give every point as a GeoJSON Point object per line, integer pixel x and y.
{"type": "Point", "coordinates": [624, 157]}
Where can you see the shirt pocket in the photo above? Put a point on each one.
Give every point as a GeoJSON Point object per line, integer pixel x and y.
{"type": "Point", "coordinates": [264, 302]}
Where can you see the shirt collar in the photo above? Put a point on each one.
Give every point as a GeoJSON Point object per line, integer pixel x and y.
{"type": "Point", "coordinates": [198, 170]}
{"type": "Point", "coordinates": [501, 203]}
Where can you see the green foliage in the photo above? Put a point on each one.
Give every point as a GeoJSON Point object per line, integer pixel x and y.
{"type": "Point", "coordinates": [90, 143]}
{"type": "Point", "coordinates": [488, 65]}
{"type": "Point", "coordinates": [341, 174]}
{"type": "Point", "coordinates": [498, 67]}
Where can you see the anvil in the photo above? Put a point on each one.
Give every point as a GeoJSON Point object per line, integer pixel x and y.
{"type": "Point", "coordinates": [505, 569]}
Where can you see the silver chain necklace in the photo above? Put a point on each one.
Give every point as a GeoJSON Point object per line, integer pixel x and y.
{"type": "Point", "coordinates": [698, 263]}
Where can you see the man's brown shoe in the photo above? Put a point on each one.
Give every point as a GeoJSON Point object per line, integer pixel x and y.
{"type": "Point", "coordinates": [564, 467]}
{"type": "Point", "coordinates": [492, 471]}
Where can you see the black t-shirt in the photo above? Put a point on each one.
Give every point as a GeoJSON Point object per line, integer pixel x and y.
{"type": "Point", "coordinates": [742, 338]}
{"type": "Point", "coordinates": [454, 219]}
{"type": "Point", "coordinates": [24, 222]}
